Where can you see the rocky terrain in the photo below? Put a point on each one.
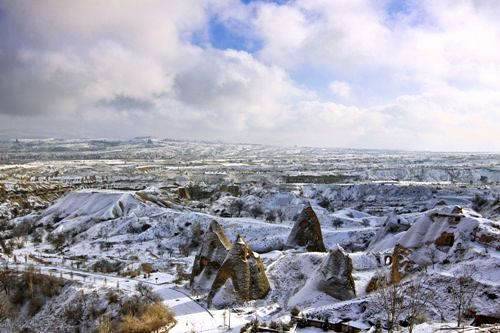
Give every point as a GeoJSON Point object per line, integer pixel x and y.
{"type": "Point", "coordinates": [269, 234]}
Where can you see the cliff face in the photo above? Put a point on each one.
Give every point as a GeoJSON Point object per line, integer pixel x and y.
{"type": "Point", "coordinates": [335, 275]}
{"type": "Point", "coordinates": [306, 232]}
{"type": "Point", "coordinates": [212, 253]}
{"type": "Point", "coordinates": [23, 197]}
{"type": "Point", "coordinates": [246, 271]}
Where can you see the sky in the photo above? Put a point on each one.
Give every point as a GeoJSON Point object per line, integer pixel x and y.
{"type": "Point", "coordinates": [386, 74]}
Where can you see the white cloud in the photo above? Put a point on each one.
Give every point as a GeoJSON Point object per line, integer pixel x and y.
{"type": "Point", "coordinates": [340, 88]}
{"type": "Point", "coordinates": [426, 79]}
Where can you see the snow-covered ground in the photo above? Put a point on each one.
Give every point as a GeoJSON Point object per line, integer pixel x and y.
{"type": "Point", "coordinates": [120, 216]}
{"type": "Point", "coordinates": [135, 230]}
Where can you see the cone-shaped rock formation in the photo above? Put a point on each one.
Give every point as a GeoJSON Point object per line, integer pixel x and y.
{"type": "Point", "coordinates": [246, 271]}
{"type": "Point", "coordinates": [213, 251]}
{"type": "Point", "coordinates": [306, 232]}
{"type": "Point", "coordinates": [335, 275]}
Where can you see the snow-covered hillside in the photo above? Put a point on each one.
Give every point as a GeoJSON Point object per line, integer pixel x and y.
{"type": "Point", "coordinates": [128, 229]}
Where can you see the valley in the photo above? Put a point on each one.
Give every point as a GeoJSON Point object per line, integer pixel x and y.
{"type": "Point", "coordinates": [271, 237]}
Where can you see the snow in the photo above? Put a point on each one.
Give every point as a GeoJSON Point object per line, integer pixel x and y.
{"type": "Point", "coordinates": [124, 226]}
{"type": "Point", "coordinates": [101, 205]}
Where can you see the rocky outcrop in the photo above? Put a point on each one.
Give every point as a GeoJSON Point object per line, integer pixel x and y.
{"type": "Point", "coordinates": [401, 264]}
{"type": "Point", "coordinates": [246, 271]}
{"type": "Point", "coordinates": [213, 251]}
{"type": "Point", "coordinates": [445, 239]}
{"type": "Point", "coordinates": [22, 198]}
{"type": "Point", "coordinates": [442, 226]}
{"type": "Point", "coordinates": [444, 234]}
{"type": "Point", "coordinates": [335, 275]}
{"type": "Point", "coordinates": [378, 280]}
{"type": "Point", "coordinates": [392, 225]}
{"type": "Point", "coordinates": [487, 207]}
{"type": "Point", "coordinates": [488, 235]}
{"type": "Point", "coordinates": [306, 232]}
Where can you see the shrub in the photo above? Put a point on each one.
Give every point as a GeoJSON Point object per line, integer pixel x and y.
{"type": "Point", "coordinates": [22, 229]}
{"type": "Point", "coordinates": [147, 268]}
{"type": "Point", "coordinates": [57, 240]}
{"type": "Point", "coordinates": [154, 317]}
{"type": "Point", "coordinates": [132, 273]}
{"type": "Point", "coordinates": [478, 202]}
{"type": "Point", "coordinates": [256, 211]}
{"type": "Point", "coordinates": [31, 283]}
{"type": "Point", "coordinates": [105, 246]}
{"type": "Point", "coordinates": [35, 304]}
{"type": "Point", "coordinates": [295, 311]}
{"type": "Point", "coordinates": [7, 282]}
{"type": "Point", "coordinates": [112, 297]}
{"type": "Point", "coordinates": [7, 247]}
{"type": "Point", "coordinates": [236, 207]}
{"type": "Point", "coordinates": [181, 274]}
{"type": "Point", "coordinates": [105, 325]}
{"type": "Point", "coordinates": [197, 234]}
{"type": "Point", "coordinates": [37, 236]}
{"type": "Point", "coordinates": [324, 202]}
{"type": "Point", "coordinates": [133, 306]}
{"type": "Point", "coordinates": [92, 302]}
{"type": "Point", "coordinates": [30, 289]}
{"type": "Point", "coordinates": [337, 223]}
{"type": "Point", "coordinates": [105, 266]}
{"type": "Point", "coordinates": [73, 312]}
{"type": "Point", "coordinates": [270, 217]}
{"type": "Point", "coordinates": [6, 308]}
{"type": "Point", "coordinates": [147, 292]}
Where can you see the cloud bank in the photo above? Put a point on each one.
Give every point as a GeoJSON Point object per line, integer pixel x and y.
{"type": "Point", "coordinates": [344, 73]}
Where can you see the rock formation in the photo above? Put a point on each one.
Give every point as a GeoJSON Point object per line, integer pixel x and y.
{"type": "Point", "coordinates": [335, 275]}
{"type": "Point", "coordinates": [392, 225]}
{"type": "Point", "coordinates": [445, 239]}
{"type": "Point", "coordinates": [378, 280]}
{"type": "Point", "coordinates": [306, 232]}
{"type": "Point", "coordinates": [401, 264]}
{"type": "Point", "coordinates": [441, 234]}
{"type": "Point", "coordinates": [213, 251]}
{"type": "Point", "coordinates": [246, 271]}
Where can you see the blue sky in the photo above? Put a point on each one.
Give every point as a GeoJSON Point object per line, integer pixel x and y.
{"type": "Point", "coordinates": [223, 37]}
{"type": "Point", "coordinates": [226, 35]}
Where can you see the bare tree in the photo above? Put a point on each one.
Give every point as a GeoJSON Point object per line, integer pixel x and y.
{"type": "Point", "coordinates": [236, 207]}
{"type": "Point", "coordinates": [337, 223]}
{"type": "Point", "coordinates": [147, 292]}
{"type": "Point", "coordinates": [389, 299]}
{"type": "Point", "coordinates": [463, 291]}
{"type": "Point", "coordinates": [417, 298]}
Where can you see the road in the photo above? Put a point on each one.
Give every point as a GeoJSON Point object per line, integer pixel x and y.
{"type": "Point", "coordinates": [189, 314]}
